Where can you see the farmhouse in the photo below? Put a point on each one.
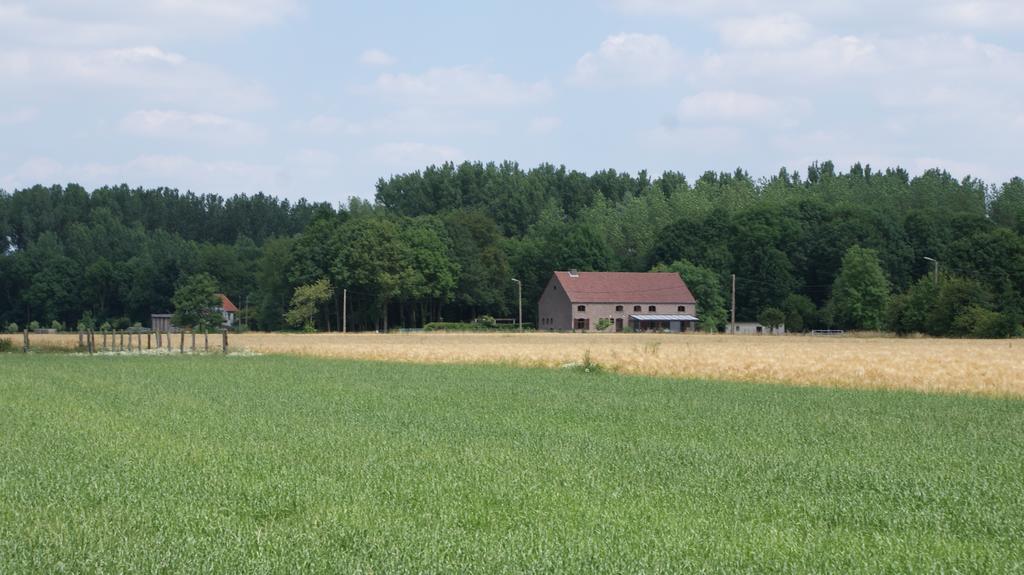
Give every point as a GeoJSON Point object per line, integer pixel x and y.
{"type": "Point", "coordinates": [579, 301]}
{"type": "Point", "coordinates": [226, 309]}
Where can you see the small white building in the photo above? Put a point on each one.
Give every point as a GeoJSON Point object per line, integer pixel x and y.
{"type": "Point", "coordinates": [754, 328]}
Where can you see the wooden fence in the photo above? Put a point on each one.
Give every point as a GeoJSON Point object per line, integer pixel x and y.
{"type": "Point", "coordinates": [132, 341]}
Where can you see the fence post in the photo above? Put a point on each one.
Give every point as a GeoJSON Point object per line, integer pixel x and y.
{"type": "Point", "coordinates": [206, 341]}
{"type": "Point", "coordinates": [81, 339]}
{"type": "Point", "coordinates": [193, 348]}
{"type": "Point", "coordinates": [24, 347]}
{"type": "Point", "coordinates": [224, 343]}
{"type": "Point", "coordinates": [149, 340]}
{"type": "Point", "coordinates": [170, 341]}
{"type": "Point", "coordinates": [181, 346]}
{"type": "Point", "coordinates": [91, 341]}
{"type": "Point", "coordinates": [129, 342]}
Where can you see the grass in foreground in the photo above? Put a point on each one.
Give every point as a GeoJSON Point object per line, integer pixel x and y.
{"type": "Point", "coordinates": [281, 464]}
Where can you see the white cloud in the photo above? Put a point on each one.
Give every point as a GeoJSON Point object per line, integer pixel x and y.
{"type": "Point", "coordinates": [327, 124]}
{"type": "Point", "coordinates": [459, 86]}
{"type": "Point", "coordinates": [414, 155]}
{"type": "Point", "coordinates": [111, 22]}
{"type": "Point", "coordinates": [149, 71]}
{"type": "Point", "coordinates": [143, 55]}
{"type": "Point", "coordinates": [728, 106]}
{"type": "Point", "coordinates": [19, 116]}
{"type": "Point", "coordinates": [34, 170]}
{"type": "Point", "coordinates": [111, 45]}
{"type": "Point", "coordinates": [175, 124]}
{"type": "Point", "coordinates": [544, 125]}
{"type": "Point", "coordinates": [828, 57]}
{"type": "Point", "coordinates": [982, 13]}
{"type": "Point", "coordinates": [404, 122]}
{"type": "Point", "coordinates": [778, 30]}
{"type": "Point", "coordinates": [311, 163]}
{"type": "Point", "coordinates": [183, 172]}
{"type": "Point", "coordinates": [953, 14]}
{"type": "Point", "coordinates": [737, 8]}
{"type": "Point", "coordinates": [628, 59]}
{"type": "Point", "coordinates": [377, 58]}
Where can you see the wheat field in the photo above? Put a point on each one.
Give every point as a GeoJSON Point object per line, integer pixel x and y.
{"type": "Point", "coordinates": [988, 367]}
{"type": "Point", "coordinates": [931, 365]}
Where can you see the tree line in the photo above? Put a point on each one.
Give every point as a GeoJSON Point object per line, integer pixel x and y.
{"type": "Point", "coordinates": [823, 249]}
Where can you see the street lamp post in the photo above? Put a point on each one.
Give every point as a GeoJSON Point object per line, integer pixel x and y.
{"type": "Point", "coordinates": [519, 286]}
{"type": "Point", "coordinates": [936, 262]}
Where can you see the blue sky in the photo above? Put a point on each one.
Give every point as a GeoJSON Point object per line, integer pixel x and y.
{"type": "Point", "coordinates": [320, 99]}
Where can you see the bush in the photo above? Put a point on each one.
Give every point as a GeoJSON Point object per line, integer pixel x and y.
{"type": "Point", "coordinates": [603, 324]}
{"type": "Point", "coordinates": [56, 325]}
{"type": "Point", "coordinates": [106, 326]}
{"type": "Point", "coordinates": [771, 318]}
{"type": "Point", "coordinates": [476, 326]}
{"type": "Point", "coordinates": [976, 321]}
{"type": "Point", "coordinates": [87, 322]}
{"type": "Point", "coordinates": [33, 326]}
{"type": "Point", "coordinates": [6, 345]}
{"type": "Point", "coordinates": [12, 328]}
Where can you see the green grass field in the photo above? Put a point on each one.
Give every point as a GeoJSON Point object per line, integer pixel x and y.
{"type": "Point", "coordinates": [278, 464]}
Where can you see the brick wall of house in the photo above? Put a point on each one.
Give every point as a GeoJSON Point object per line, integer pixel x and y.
{"type": "Point", "coordinates": [554, 312]}
{"type": "Point", "coordinates": [595, 311]}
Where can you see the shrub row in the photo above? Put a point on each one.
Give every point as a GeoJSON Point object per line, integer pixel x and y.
{"type": "Point", "coordinates": [454, 326]}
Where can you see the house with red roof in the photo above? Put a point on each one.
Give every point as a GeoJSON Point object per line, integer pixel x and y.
{"type": "Point", "coordinates": [643, 302]}
{"type": "Point", "coordinates": [227, 309]}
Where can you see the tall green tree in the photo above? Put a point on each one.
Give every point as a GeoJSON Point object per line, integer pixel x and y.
{"type": "Point", "coordinates": [305, 303]}
{"type": "Point", "coordinates": [273, 291]}
{"type": "Point", "coordinates": [861, 291]}
{"type": "Point", "coordinates": [195, 303]}
{"type": "Point", "coordinates": [771, 318]}
{"type": "Point", "coordinates": [706, 289]}
{"type": "Point", "coordinates": [800, 313]}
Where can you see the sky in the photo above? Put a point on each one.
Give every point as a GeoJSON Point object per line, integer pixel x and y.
{"type": "Point", "coordinates": [317, 99]}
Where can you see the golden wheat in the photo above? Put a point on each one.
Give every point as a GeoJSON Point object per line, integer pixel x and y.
{"type": "Point", "coordinates": [931, 365]}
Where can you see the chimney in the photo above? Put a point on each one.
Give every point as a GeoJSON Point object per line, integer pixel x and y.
{"type": "Point", "coordinates": [574, 273]}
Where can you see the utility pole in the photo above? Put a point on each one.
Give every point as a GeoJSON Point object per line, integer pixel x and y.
{"type": "Point", "coordinates": [519, 285]}
{"type": "Point", "coordinates": [344, 310]}
{"type": "Point", "coordinates": [732, 326]}
{"type": "Point", "coordinates": [936, 262]}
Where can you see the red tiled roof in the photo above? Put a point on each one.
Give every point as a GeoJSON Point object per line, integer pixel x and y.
{"type": "Point", "coordinates": [226, 304]}
{"type": "Point", "coordinates": [625, 287]}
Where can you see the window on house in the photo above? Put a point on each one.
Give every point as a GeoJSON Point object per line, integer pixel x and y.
{"type": "Point", "coordinates": [636, 308]}
{"type": "Point", "coordinates": [583, 324]}
{"type": "Point", "coordinates": [581, 308]}
{"type": "Point", "coordinates": [682, 308]}
{"type": "Point", "coordinates": [652, 308]}
{"type": "Point", "coordinates": [618, 308]}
